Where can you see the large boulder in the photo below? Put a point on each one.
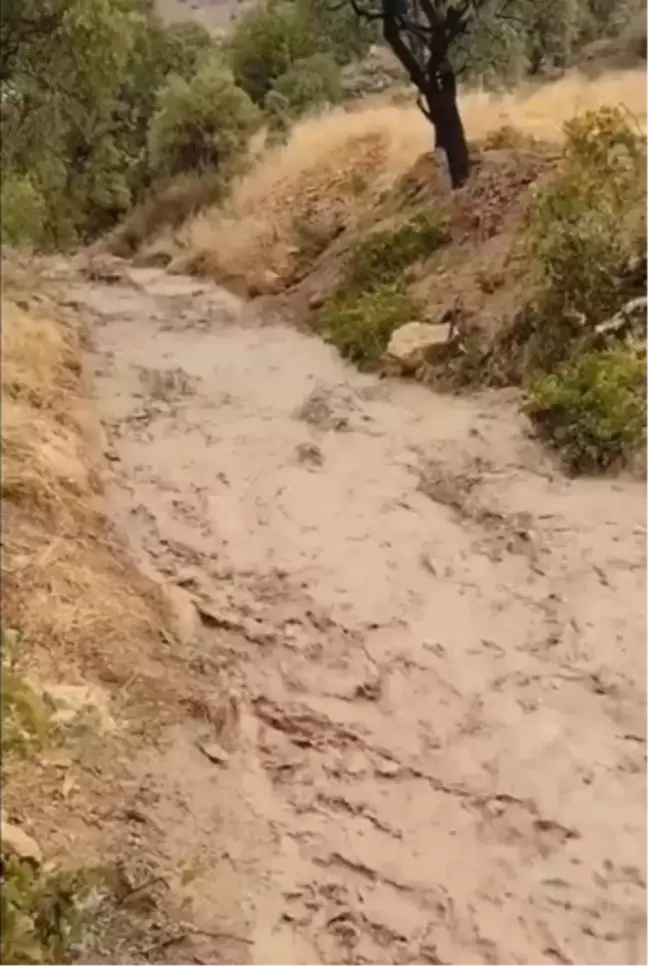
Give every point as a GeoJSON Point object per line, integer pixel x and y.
{"type": "Point", "coordinates": [415, 344]}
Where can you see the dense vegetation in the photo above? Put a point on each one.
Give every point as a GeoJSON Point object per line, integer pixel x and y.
{"type": "Point", "coordinates": [587, 244]}
{"type": "Point", "coordinates": [87, 138]}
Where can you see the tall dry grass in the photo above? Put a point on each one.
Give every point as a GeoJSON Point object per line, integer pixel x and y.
{"type": "Point", "coordinates": [63, 587]}
{"type": "Point", "coordinates": [336, 165]}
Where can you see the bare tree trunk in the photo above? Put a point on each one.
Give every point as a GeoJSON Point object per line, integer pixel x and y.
{"type": "Point", "coordinates": [437, 85]}
{"type": "Point", "coordinates": [448, 126]}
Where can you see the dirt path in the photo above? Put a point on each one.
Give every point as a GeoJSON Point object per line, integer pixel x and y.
{"type": "Point", "coordinates": [434, 646]}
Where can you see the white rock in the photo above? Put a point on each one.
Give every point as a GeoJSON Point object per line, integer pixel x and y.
{"type": "Point", "coordinates": [21, 844]}
{"type": "Point", "coordinates": [410, 345]}
{"type": "Point", "coordinates": [184, 618]}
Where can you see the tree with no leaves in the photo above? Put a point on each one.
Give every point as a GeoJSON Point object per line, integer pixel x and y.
{"type": "Point", "coordinates": [428, 37]}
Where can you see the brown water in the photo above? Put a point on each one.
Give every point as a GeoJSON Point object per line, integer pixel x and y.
{"type": "Point", "coordinates": [434, 645]}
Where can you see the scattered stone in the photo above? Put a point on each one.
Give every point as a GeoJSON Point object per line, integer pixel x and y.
{"type": "Point", "coordinates": [183, 615]}
{"type": "Point", "coordinates": [23, 845]}
{"type": "Point", "coordinates": [214, 752]}
{"type": "Point", "coordinates": [316, 301]}
{"type": "Point", "coordinates": [309, 454]}
{"type": "Point", "coordinates": [72, 700]}
{"type": "Point", "coordinates": [105, 268]}
{"type": "Point", "coordinates": [387, 768]}
{"type": "Point", "coordinates": [416, 343]}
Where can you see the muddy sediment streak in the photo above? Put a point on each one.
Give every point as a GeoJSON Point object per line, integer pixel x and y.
{"type": "Point", "coordinates": [433, 646]}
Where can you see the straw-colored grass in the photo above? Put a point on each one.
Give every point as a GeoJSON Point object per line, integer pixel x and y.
{"type": "Point", "coordinates": [336, 165]}
{"type": "Point", "coordinates": [62, 585]}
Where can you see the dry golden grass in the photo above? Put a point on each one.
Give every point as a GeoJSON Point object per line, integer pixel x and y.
{"type": "Point", "coordinates": [62, 585]}
{"type": "Point", "coordinates": [336, 165]}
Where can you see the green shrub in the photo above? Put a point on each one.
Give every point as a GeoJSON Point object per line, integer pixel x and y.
{"type": "Point", "coordinates": [593, 408]}
{"type": "Point", "coordinates": [584, 229]}
{"type": "Point", "coordinates": [182, 46]}
{"type": "Point", "coordinates": [41, 916]}
{"type": "Point", "coordinates": [383, 256]}
{"type": "Point", "coordinates": [309, 82]}
{"type": "Point", "coordinates": [25, 717]}
{"type": "Point", "coordinates": [371, 301]}
{"type": "Point", "coordinates": [22, 209]}
{"type": "Point", "coordinates": [360, 326]}
{"type": "Point", "coordinates": [270, 39]}
{"type": "Point", "coordinates": [266, 42]}
{"type": "Point", "coordinates": [201, 123]}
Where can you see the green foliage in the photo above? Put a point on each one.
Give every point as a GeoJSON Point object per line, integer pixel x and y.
{"type": "Point", "coordinates": [41, 914]}
{"type": "Point", "coordinates": [310, 82]}
{"type": "Point", "coordinates": [181, 47]}
{"type": "Point", "coordinates": [266, 42]}
{"type": "Point", "coordinates": [360, 326]}
{"type": "Point", "coordinates": [201, 123]}
{"type": "Point", "coordinates": [75, 128]}
{"type": "Point", "coordinates": [22, 209]}
{"type": "Point", "coordinates": [25, 717]}
{"type": "Point", "coordinates": [275, 46]}
{"type": "Point", "coordinates": [593, 408]}
{"type": "Point", "coordinates": [340, 32]}
{"type": "Point", "coordinates": [383, 256]}
{"type": "Point", "coordinates": [506, 41]}
{"type": "Point", "coordinates": [371, 301]}
{"type": "Point", "coordinates": [584, 229]}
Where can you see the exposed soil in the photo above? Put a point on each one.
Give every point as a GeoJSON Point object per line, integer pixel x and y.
{"type": "Point", "coordinates": [432, 646]}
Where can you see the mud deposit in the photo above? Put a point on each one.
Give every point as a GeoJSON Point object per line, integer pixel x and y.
{"type": "Point", "coordinates": [433, 750]}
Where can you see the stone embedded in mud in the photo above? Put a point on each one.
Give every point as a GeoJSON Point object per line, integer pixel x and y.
{"type": "Point", "coordinates": [184, 619]}
{"type": "Point", "coordinates": [414, 344]}
{"type": "Point", "coordinates": [23, 845]}
{"type": "Point", "coordinates": [214, 752]}
{"type": "Point", "coordinates": [267, 283]}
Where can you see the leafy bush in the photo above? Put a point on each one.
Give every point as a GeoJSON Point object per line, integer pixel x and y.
{"type": "Point", "coordinates": [25, 717]}
{"type": "Point", "coordinates": [371, 301]}
{"type": "Point", "coordinates": [309, 82]}
{"type": "Point", "coordinates": [266, 42]}
{"type": "Point", "coordinates": [585, 227]}
{"type": "Point", "coordinates": [201, 123]}
{"type": "Point", "coordinates": [181, 47]}
{"type": "Point", "coordinates": [383, 256]}
{"type": "Point", "coordinates": [593, 408]}
{"type": "Point", "coordinates": [75, 129]}
{"type": "Point", "coordinates": [41, 915]}
{"type": "Point", "coordinates": [22, 209]}
{"type": "Point", "coordinates": [269, 40]}
{"type": "Point", "coordinates": [360, 326]}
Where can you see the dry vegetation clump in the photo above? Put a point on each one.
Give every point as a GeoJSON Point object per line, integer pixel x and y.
{"type": "Point", "coordinates": [301, 195]}
{"type": "Point", "coordinates": [70, 606]}
{"type": "Point", "coordinates": [62, 586]}
{"type": "Point", "coordinates": [296, 197]}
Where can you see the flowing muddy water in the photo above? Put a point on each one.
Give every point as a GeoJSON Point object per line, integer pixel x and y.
{"type": "Point", "coordinates": [433, 749]}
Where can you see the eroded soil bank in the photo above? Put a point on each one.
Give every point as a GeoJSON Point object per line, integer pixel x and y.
{"type": "Point", "coordinates": [433, 749]}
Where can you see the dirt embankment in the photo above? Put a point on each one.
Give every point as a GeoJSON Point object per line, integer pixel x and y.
{"type": "Point", "coordinates": [408, 658]}
{"type": "Point", "coordinates": [291, 223]}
